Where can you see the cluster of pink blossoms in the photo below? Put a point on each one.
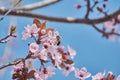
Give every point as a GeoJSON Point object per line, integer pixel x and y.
{"type": "Point", "coordinates": [112, 27]}
{"type": "Point", "coordinates": [46, 49]}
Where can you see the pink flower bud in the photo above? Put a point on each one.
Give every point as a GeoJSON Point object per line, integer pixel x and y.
{"type": "Point", "coordinates": [33, 47]}
{"type": "Point", "coordinates": [77, 6]}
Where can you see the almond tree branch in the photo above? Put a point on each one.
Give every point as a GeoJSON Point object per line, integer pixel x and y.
{"type": "Point", "coordinates": [4, 40]}
{"type": "Point", "coordinates": [37, 5]}
{"type": "Point", "coordinates": [58, 19]}
{"type": "Point", "coordinates": [16, 61]}
{"type": "Point", "coordinates": [30, 6]}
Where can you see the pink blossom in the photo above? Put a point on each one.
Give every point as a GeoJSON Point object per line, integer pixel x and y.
{"type": "Point", "coordinates": [44, 74]}
{"type": "Point", "coordinates": [30, 31]}
{"type": "Point", "coordinates": [77, 6]}
{"type": "Point", "coordinates": [61, 49]}
{"type": "Point", "coordinates": [68, 69]}
{"type": "Point", "coordinates": [98, 76]}
{"type": "Point", "coordinates": [118, 17]}
{"type": "Point", "coordinates": [49, 71]}
{"type": "Point", "coordinates": [65, 55]}
{"type": "Point", "coordinates": [110, 73]}
{"type": "Point", "coordinates": [110, 24]}
{"type": "Point", "coordinates": [39, 75]}
{"type": "Point", "coordinates": [55, 55]}
{"type": "Point", "coordinates": [42, 54]}
{"type": "Point", "coordinates": [17, 67]}
{"type": "Point", "coordinates": [33, 47]}
{"type": "Point", "coordinates": [82, 73]}
{"type": "Point", "coordinates": [43, 31]}
{"type": "Point", "coordinates": [51, 48]}
{"type": "Point", "coordinates": [57, 59]}
{"type": "Point", "coordinates": [118, 78]}
{"type": "Point", "coordinates": [111, 37]}
{"type": "Point", "coordinates": [50, 38]}
{"type": "Point", "coordinates": [72, 52]}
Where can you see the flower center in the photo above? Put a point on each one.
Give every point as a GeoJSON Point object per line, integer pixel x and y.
{"type": "Point", "coordinates": [67, 68]}
{"type": "Point", "coordinates": [81, 75]}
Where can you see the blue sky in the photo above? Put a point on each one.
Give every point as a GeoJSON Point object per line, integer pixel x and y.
{"type": "Point", "coordinates": [93, 51]}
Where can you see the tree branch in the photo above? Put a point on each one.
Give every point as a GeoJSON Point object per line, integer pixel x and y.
{"type": "Point", "coordinates": [37, 5]}
{"type": "Point", "coordinates": [64, 20]}
{"type": "Point", "coordinates": [15, 5]}
{"type": "Point", "coordinates": [4, 40]}
{"type": "Point", "coordinates": [105, 34]}
{"type": "Point", "coordinates": [11, 63]}
{"type": "Point", "coordinates": [16, 61]}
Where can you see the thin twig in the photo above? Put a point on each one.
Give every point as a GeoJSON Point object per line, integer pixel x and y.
{"type": "Point", "coordinates": [16, 61]}
{"type": "Point", "coordinates": [95, 27]}
{"type": "Point", "coordinates": [95, 3]}
{"type": "Point", "coordinates": [105, 34]}
{"type": "Point", "coordinates": [88, 9]}
{"type": "Point", "coordinates": [1, 40]}
{"type": "Point", "coordinates": [4, 40]}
